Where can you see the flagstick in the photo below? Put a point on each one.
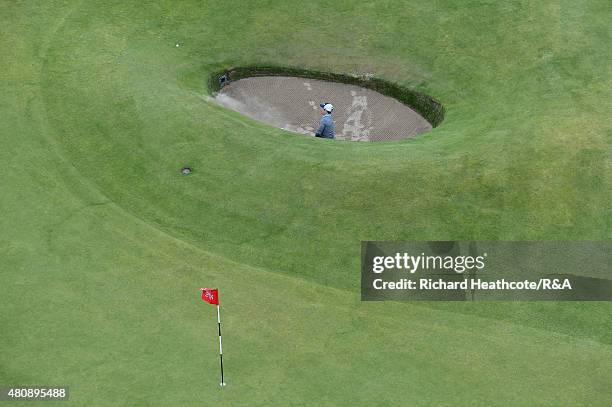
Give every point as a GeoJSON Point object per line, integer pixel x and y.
{"type": "Point", "coordinates": [222, 384]}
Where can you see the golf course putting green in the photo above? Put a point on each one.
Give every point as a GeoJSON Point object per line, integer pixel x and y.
{"type": "Point", "coordinates": [292, 103]}
{"type": "Point", "coordinates": [105, 243]}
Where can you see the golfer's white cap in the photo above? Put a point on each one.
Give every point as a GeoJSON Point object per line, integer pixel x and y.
{"type": "Point", "coordinates": [328, 107]}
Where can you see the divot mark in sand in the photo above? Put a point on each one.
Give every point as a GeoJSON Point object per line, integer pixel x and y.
{"type": "Point", "coordinates": [355, 128]}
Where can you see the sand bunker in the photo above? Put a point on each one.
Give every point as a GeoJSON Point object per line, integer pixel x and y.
{"type": "Point", "coordinates": [293, 104]}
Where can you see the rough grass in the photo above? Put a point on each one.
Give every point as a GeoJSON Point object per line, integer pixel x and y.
{"type": "Point", "coordinates": [104, 244]}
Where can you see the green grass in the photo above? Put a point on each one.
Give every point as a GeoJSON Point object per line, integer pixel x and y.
{"type": "Point", "coordinates": [104, 244]}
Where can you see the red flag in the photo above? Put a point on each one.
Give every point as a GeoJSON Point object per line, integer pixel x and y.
{"type": "Point", "coordinates": [210, 295]}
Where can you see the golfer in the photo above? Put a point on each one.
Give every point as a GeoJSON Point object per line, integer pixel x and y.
{"type": "Point", "coordinates": [326, 125]}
